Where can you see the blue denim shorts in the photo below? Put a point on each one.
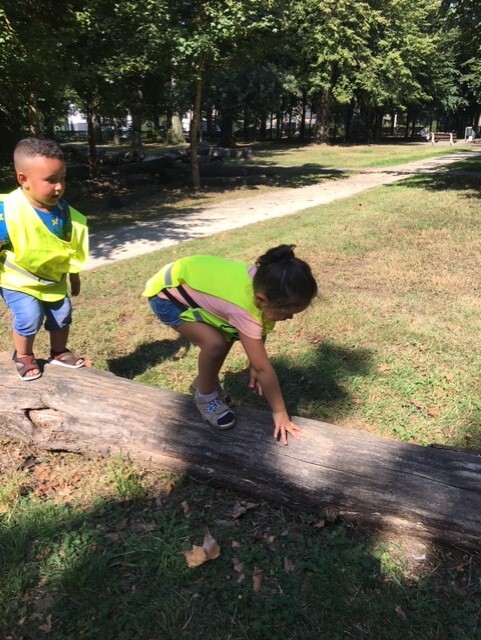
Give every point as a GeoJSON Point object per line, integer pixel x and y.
{"type": "Point", "coordinates": [166, 311]}
{"type": "Point", "coordinates": [28, 312]}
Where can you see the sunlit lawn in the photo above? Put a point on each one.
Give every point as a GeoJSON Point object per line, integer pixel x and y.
{"type": "Point", "coordinates": [388, 347]}
{"type": "Point", "coordinates": [354, 156]}
{"type": "Point", "coordinates": [91, 550]}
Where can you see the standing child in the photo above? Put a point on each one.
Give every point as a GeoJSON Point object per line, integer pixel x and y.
{"type": "Point", "coordinates": [211, 301]}
{"type": "Point", "coordinates": [42, 240]}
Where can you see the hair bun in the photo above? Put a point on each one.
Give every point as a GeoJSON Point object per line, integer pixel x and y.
{"type": "Point", "coordinates": [277, 254]}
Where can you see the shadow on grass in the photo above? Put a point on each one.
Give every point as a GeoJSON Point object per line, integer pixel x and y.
{"type": "Point", "coordinates": [146, 356]}
{"type": "Point", "coordinates": [314, 385]}
{"type": "Point", "coordinates": [116, 571]}
{"type": "Point", "coordinates": [449, 181]}
{"type": "Point", "coordinates": [303, 175]}
{"type": "Point", "coordinates": [320, 382]}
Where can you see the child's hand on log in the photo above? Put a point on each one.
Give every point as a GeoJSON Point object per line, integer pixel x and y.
{"type": "Point", "coordinates": [283, 426]}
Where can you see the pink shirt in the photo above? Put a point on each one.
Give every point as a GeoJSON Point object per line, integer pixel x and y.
{"type": "Point", "coordinates": [234, 315]}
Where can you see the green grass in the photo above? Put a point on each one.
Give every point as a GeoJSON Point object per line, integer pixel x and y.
{"type": "Point", "coordinates": [116, 570]}
{"type": "Point", "coordinates": [94, 550]}
{"type": "Point", "coordinates": [353, 157]}
{"type": "Point", "coordinates": [387, 347]}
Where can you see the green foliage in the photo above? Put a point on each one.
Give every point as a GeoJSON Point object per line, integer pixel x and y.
{"type": "Point", "coordinates": [251, 56]}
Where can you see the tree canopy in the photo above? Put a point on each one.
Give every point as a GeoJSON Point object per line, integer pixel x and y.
{"type": "Point", "coordinates": [336, 66]}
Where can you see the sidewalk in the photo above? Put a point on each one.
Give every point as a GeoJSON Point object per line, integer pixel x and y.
{"type": "Point", "coordinates": [143, 237]}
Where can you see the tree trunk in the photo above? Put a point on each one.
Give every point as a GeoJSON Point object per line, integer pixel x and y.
{"type": "Point", "coordinates": [413, 125]}
{"type": "Point", "coordinates": [323, 117]}
{"type": "Point", "coordinates": [263, 126]}
{"type": "Point", "coordinates": [137, 110]}
{"type": "Point", "coordinates": [194, 135]}
{"type": "Point", "coordinates": [428, 491]}
{"type": "Point", "coordinates": [33, 120]}
{"type": "Point", "coordinates": [98, 134]}
{"type": "Point", "coordinates": [227, 130]}
{"type": "Point", "coordinates": [348, 121]}
{"type": "Point", "coordinates": [91, 143]}
{"type": "Point", "coordinates": [175, 134]}
{"type": "Point", "coordinates": [302, 126]}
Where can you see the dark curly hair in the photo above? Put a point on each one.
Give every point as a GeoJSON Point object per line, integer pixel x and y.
{"type": "Point", "coordinates": [286, 281]}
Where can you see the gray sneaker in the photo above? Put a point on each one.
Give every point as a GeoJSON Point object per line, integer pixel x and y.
{"type": "Point", "coordinates": [216, 412]}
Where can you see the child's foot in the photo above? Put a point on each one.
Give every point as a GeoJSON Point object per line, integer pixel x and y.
{"type": "Point", "coordinates": [223, 395]}
{"type": "Point", "coordinates": [66, 359]}
{"type": "Point", "coordinates": [27, 367]}
{"type": "Point", "coordinates": [214, 410]}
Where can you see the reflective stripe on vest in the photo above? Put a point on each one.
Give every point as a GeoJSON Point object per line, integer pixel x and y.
{"type": "Point", "coordinates": [28, 274]}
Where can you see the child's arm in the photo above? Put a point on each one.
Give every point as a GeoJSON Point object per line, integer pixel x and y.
{"type": "Point", "coordinates": [267, 378]}
{"type": "Point", "coordinates": [74, 283]}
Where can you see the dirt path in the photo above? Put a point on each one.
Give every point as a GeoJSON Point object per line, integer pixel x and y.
{"type": "Point", "coordinates": [144, 237]}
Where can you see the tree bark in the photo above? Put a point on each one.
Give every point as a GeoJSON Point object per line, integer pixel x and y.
{"type": "Point", "coordinates": [194, 133]}
{"type": "Point", "coordinates": [33, 116]}
{"type": "Point", "coordinates": [137, 111]}
{"type": "Point", "coordinates": [428, 491]}
{"type": "Point", "coordinates": [323, 116]}
{"type": "Point", "coordinates": [91, 143]}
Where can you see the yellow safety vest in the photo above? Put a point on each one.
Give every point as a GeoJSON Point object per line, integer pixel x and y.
{"type": "Point", "coordinates": [39, 261]}
{"type": "Point", "coordinates": [217, 277]}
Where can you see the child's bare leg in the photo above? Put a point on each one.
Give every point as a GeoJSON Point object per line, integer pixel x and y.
{"type": "Point", "coordinates": [59, 339]}
{"type": "Point", "coordinates": [23, 344]}
{"type": "Point", "coordinates": [213, 351]}
{"type": "Point", "coordinates": [195, 382]}
{"type": "Point", "coordinates": [24, 347]}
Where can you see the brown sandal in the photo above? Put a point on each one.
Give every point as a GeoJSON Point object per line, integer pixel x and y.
{"type": "Point", "coordinates": [66, 359]}
{"type": "Point", "coordinates": [26, 364]}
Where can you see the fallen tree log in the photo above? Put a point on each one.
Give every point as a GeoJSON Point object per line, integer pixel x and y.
{"type": "Point", "coordinates": [432, 492]}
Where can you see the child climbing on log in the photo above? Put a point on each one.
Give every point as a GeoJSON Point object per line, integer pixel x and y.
{"type": "Point", "coordinates": [212, 301]}
{"type": "Point", "coordinates": [42, 240]}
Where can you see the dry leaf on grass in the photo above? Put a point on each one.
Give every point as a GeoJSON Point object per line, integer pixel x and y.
{"type": "Point", "coordinates": [242, 507]}
{"type": "Point", "coordinates": [289, 566]}
{"type": "Point", "coordinates": [321, 523]}
{"type": "Point", "coordinates": [196, 556]}
{"type": "Point", "coordinates": [238, 567]}
{"type": "Point", "coordinates": [169, 487]}
{"type": "Point", "coordinates": [257, 580]}
{"type": "Point", "coordinates": [331, 513]}
{"type": "Point", "coordinates": [400, 613]}
{"type": "Point", "coordinates": [47, 626]}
